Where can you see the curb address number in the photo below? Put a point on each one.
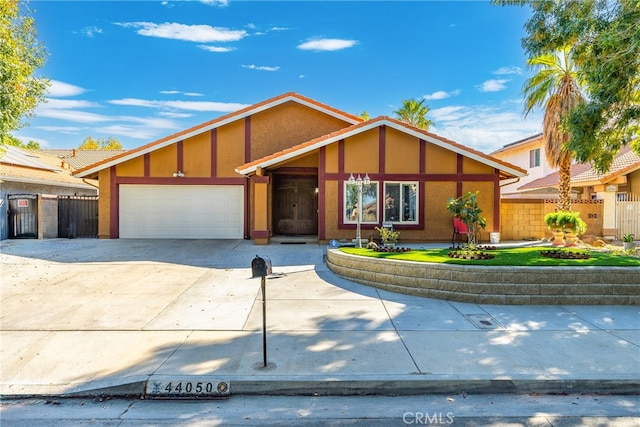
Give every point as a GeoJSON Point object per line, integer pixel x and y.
{"type": "Point", "coordinates": [187, 389]}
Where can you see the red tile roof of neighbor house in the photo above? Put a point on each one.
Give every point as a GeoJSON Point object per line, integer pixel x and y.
{"type": "Point", "coordinates": [324, 140]}
{"type": "Point", "coordinates": [583, 174]}
{"type": "Point", "coordinates": [217, 122]}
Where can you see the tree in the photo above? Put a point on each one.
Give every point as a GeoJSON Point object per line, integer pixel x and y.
{"type": "Point", "coordinates": [365, 115]}
{"type": "Point", "coordinates": [20, 55]}
{"type": "Point", "coordinates": [110, 143]}
{"type": "Point", "coordinates": [13, 141]}
{"type": "Point", "coordinates": [555, 87]}
{"type": "Point", "coordinates": [467, 209]}
{"type": "Point", "coordinates": [414, 112]}
{"type": "Point", "coordinates": [606, 46]}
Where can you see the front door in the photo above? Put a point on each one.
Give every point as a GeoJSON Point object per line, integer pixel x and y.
{"type": "Point", "coordinates": [295, 207]}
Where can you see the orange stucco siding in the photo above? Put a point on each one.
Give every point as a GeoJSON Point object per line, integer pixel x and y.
{"type": "Point", "coordinates": [286, 125]}
{"type": "Point", "coordinates": [485, 200]}
{"type": "Point", "coordinates": [361, 153]}
{"type": "Point", "coordinates": [104, 204]}
{"type": "Point", "coordinates": [230, 142]}
{"type": "Point", "coordinates": [402, 152]}
{"type": "Point", "coordinates": [331, 158]}
{"type": "Point", "coordinates": [473, 166]}
{"type": "Point", "coordinates": [440, 160]}
{"type": "Point", "coordinates": [163, 162]}
{"type": "Point", "coordinates": [438, 221]}
{"type": "Point", "coordinates": [197, 155]}
{"type": "Point", "coordinates": [308, 161]}
{"type": "Point", "coordinates": [133, 167]}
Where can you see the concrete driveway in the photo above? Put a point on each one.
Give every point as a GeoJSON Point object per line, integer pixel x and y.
{"type": "Point", "coordinates": [107, 316]}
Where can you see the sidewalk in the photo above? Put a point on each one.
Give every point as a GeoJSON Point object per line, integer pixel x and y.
{"type": "Point", "coordinates": [90, 317]}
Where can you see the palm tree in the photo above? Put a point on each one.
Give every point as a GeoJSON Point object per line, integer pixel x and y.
{"type": "Point", "coordinates": [556, 87]}
{"type": "Point", "coordinates": [414, 113]}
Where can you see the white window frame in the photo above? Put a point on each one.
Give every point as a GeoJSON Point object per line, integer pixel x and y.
{"type": "Point", "coordinates": [348, 203]}
{"type": "Point", "coordinates": [534, 158]}
{"type": "Point", "coordinates": [401, 202]}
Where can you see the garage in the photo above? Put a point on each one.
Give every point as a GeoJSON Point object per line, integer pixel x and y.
{"type": "Point", "coordinates": [181, 211]}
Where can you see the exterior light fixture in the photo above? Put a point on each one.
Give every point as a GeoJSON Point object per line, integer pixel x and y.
{"type": "Point", "coordinates": [178, 174]}
{"type": "Point", "coordinates": [359, 182]}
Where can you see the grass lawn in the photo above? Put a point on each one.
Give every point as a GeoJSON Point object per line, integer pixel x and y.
{"type": "Point", "coordinates": [520, 256]}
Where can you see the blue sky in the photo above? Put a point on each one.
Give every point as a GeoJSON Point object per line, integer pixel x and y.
{"type": "Point", "coordinates": [142, 70]}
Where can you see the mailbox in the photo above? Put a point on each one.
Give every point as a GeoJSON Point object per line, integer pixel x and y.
{"type": "Point", "coordinates": [261, 267]}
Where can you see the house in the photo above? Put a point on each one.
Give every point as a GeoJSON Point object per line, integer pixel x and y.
{"type": "Point", "coordinates": [76, 158]}
{"type": "Point", "coordinates": [282, 167]}
{"type": "Point", "coordinates": [25, 177]}
{"type": "Point", "coordinates": [529, 154]}
{"type": "Point", "coordinates": [619, 189]}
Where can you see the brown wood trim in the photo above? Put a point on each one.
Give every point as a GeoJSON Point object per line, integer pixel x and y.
{"type": "Point", "coordinates": [258, 234]}
{"type": "Point", "coordinates": [180, 156]}
{"type": "Point", "coordinates": [260, 179]}
{"type": "Point", "coordinates": [214, 152]}
{"type": "Point", "coordinates": [247, 139]}
{"type": "Point", "coordinates": [341, 156]}
{"type": "Point", "coordinates": [418, 177]}
{"type": "Point", "coordinates": [382, 143]}
{"type": "Point", "coordinates": [114, 211]}
{"type": "Point", "coordinates": [322, 166]}
{"type": "Point", "coordinates": [296, 171]}
{"type": "Point", "coordinates": [247, 207]}
{"type": "Point", "coordinates": [147, 165]}
{"type": "Point", "coordinates": [459, 162]}
{"type": "Point", "coordinates": [179, 181]}
{"type": "Point", "coordinates": [423, 156]}
{"type": "Point", "coordinates": [496, 200]}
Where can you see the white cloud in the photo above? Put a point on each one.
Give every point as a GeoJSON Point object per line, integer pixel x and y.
{"type": "Point", "coordinates": [177, 92]}
{"type": "Point", "coordinates": [483, 128]}
{"type": "Point", "coordinates": [441, 94]}
{"type": "Point", "coordinates": [508, 70]}
{"type": "Point", "coordinates": [215, 49]}
{"type": "Point", "coordinates": [493, 85]}
{"type": "Point", "coordinates": [59, 88]}
{"type": "Point", "coordinates": [61, 129]}
{"type": "Point", "coordinates": [221, 3]}
{"type": "Point", "coordinates": [327, 44]}
{"type": "Point", "coordinates": [191, 33]}
{"type": "Point", "coordinates": [70, 115]}
{"type": "Point", "coordinates": [67, 104]}
{"type": "Point", "coordinates": [261, 68]}
{"type": "Point", "coordinates": [225, 107]}
{"type": "Point", "coordinates": [90, 31]}
{"type": "Point", "coordinates": [173, 115]}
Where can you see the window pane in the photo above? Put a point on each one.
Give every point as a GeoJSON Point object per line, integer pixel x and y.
{"type": "Point", "coordinates": [409, 202]}
{"type": "Point", "coordinates": [392, 202]}
{"type": "Point", "coordinates": [369, 201]}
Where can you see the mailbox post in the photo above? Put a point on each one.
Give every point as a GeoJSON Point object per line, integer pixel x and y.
{"type": "Point", "coordinates": [261, 267]}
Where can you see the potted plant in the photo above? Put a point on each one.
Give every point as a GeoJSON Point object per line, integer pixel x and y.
{"type": "Point", "coordinates": [389, 236]}
{"type": "Point", "coordinates": [627, 241]}
{"type": "Point", "coordinates": [572, 225]}
{"type": "Point", "coordinates": [467, 209]}
{"type": "Point", "coordinates": [551, 219]}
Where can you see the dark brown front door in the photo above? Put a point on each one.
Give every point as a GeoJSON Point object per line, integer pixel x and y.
{"type": "Point", "coordinates": [295, 207]}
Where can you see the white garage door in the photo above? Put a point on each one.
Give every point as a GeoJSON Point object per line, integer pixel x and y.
{"type": "Point", "coordinates": [182, 211]}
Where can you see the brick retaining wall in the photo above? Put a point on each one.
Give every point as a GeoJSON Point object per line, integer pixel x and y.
{"type": "Point", "coordinates": [493, 285]}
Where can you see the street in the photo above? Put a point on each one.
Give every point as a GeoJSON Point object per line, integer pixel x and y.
{"type": "Point", "coordinates": [448, 410]}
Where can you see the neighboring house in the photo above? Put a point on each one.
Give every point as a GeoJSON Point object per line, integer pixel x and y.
{"type": "Point", "coordinates": [620, 184]}
{"type": "Point", "coordinates": [282, 167]}
{"type": "Point", "coordinates": [25, 176]}
{"type": "Point", "coordinates": [529, 154]}
{"type": "Point", "coordinates": [77, 159]}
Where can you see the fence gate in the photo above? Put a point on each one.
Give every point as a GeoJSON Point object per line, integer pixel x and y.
{"type": "Point", "coordinates": [628, 214]}
{"type": "Point", "coordinates": [77, 216]}
{"type": "Point", "coordinates": [23, 216]}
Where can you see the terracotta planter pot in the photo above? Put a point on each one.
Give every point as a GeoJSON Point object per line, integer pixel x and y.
{"type": "Point", "coordinates": [570, 238]}
{"type": "Point", "coordinates": [558, 236]}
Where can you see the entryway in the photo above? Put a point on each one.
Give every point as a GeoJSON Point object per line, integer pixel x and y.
{"type": "Point", "coordinates": [295, 205]}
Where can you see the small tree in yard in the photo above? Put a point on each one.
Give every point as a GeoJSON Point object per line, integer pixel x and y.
{"type": "Point", "coordinates": [466, 208]}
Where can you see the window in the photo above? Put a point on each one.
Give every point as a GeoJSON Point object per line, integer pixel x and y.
{"type": "Point", "coordinates": [369, 203]}
{"type": "Point", "coordinates": [534, 158]}
{"type": "Point", "coordinates": [401, 202]}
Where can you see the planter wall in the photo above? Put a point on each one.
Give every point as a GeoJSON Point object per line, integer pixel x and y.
{"type": "Point", "coordinates": [493, 285]}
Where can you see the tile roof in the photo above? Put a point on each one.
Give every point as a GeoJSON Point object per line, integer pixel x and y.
{"type": "Point", "coordinates": [91, 170]}
{"type": "Point", "coordinates": [79, 159]}
{"type": "Point", "coordinates": [583, 174]}
{"type": "Point", "coordinates": [316, 143]}
{"type": "Point", "coordinates": [38, 168]}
